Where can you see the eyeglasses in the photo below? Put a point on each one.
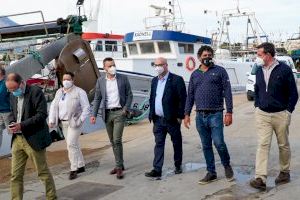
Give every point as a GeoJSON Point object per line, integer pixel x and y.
{"type": "Point", "coordinates": [63, 96]}
{"type": "Point", "coordinates": [159, 65]}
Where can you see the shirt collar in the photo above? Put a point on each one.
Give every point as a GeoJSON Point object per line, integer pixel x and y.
{"type": "Point", "coordinates": [274, 64]}
{"type": "Point", "coordinates": [200, 70]}
{"type": "Point", "coordinates": [115, 77]}
{"type": "Point", "coordinates": [165, 77]}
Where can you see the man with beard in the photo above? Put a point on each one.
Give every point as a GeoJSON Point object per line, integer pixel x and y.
{"type": "Point", "coordinates": [208, 86]}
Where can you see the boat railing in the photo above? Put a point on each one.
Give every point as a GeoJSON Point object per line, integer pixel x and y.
{"type": "Point", "coordinates": [11, 31]}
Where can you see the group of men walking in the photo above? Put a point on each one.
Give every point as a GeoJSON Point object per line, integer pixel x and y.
{"type": "Point", "coordinates": [170, 103]}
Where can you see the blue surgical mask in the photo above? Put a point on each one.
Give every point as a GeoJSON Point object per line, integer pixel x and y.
{"type": "Point", "coordinates": [18, 92]}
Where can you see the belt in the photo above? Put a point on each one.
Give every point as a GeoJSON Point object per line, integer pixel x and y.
{"type": "Point", "coordinates": [112, 109]}
{"type": "Point", "coordinates": [63, 120]}
{"type": "Point", "coordinates": [160, 117]}
{"type": "Point", "coordinates": [207, 112]}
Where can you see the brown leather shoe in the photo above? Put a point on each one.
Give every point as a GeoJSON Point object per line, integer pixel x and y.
{"type": "Point", "coordinates": [258, 183]}
{"type": "Point", "coordinates": [114, 170]}
{"type": "Point", "coordinates": [120, 174]}
{"type": "Point", "coordinates": [282, 178]}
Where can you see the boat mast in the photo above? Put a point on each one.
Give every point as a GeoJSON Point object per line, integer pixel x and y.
{"type": "Point", "coordinates": [92, 24]}
{"type": "Point", "coordinates": [257, 30]}
{"type": "Point", "coordinates": [166, 18]}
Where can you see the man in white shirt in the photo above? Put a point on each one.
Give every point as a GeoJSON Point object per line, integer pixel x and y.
{"type": "Point", "coordinates": [112, 98]}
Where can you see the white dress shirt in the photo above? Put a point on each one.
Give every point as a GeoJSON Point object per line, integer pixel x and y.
{"type": "Point", "coordinates": [112, 94]}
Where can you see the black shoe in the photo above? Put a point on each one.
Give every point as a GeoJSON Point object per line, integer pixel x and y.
{"type": "Point", "coordinates": [258, 183]}
{"type": "Point", "coordinates": [153, 174]}
{"type": "Point", "coordinates": [229, 173]}
{"type": "Point", "coordinates": [80, 170]}
{"type": "Point", "coordinates": [283, 178]}
{"type": "Point", "coordinates": [209, 177]}
{"type": "Point", "coordinates": [178, 170]}
{"type": "Point", "coordinates": [73, 175]}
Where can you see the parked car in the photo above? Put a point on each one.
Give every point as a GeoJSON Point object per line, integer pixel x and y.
{"type": "Point", "coordinates": [251, 75]}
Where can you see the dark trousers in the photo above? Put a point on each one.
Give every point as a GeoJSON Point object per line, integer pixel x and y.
{"type": "Point", "coordinates": [210, 128]}
{"type": "Point", "coordinates": [160, 130]}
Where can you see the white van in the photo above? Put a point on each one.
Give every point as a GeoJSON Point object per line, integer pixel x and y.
{"type": "Point", "coordinates": [251, 76]}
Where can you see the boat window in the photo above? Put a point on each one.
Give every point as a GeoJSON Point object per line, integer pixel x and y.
{"type": "Point", "coordinates": [124, 51]}
{"type": "Point", "coordinates": [133, 49]}
{"type": "Point", "coordinates": [164, 47]}
{"type": "Point", "coordinates": [185, 48]}
{"type": "Point", "coordinates": [147, 47]}
{"type": "Point", "coordinates": [99, 46]}
{"type": "Point", "coordinates": [111, 46]}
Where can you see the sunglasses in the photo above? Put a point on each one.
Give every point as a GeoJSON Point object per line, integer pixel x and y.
{"type": "Point", "coordinates": [63, 96]}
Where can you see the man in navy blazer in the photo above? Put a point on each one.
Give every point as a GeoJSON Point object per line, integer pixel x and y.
{"type": "Point", "coordinates": [167, 101]}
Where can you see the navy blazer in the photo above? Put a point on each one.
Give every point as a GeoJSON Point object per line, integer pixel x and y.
{"type": "Point", "coordinates": [281, 94]}
{"type": "Point", "coordinates": [173, 100]}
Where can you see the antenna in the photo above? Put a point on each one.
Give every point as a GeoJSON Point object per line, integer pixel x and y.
{"type": "Point", "coordinates": [166, 18]}
{"type": "Point", "coordinates": [158, 9]}
{"type": "Point", "coordinates": [79, 4]}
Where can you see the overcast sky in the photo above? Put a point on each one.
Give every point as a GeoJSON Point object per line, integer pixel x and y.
{"type": "Point", "coordinates": [279, 18]}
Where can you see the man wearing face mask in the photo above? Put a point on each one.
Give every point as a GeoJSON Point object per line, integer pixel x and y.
{"type": "Point", "coordinates": [4, 106]}
{"type": "Point", "coordinates": [30, 135]}
{"type": "Point", "coordinates": [167, 100]}
{"type": "Point", "coordinates": [113, 97]}
{"type": "Point", "coordinates": [275, 98]}
{"type": "Point", "coordinates": [209, 86]}
{"type": "Point", "coordinates": [69, 109]}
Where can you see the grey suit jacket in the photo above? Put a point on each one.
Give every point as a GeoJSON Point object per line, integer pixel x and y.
{"type": "Point", "coordinates": [99, 103]}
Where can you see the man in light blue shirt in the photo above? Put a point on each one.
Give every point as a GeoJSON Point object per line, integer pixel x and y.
{"type": "Point", "coordinates": [167, 100]}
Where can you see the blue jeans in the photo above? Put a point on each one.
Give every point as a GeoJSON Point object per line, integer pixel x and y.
{"type": "Point", "coordinates": [210, 128]}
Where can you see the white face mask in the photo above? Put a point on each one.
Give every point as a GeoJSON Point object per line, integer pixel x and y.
{"type": "Point", "coordinates": [112, 70]}
{"type": "Point", "coordinates": [159, 70]}
{"type": "Point", "coordinates": [67, 84]}
{"type": "Point", "coordinates": [259, 61]}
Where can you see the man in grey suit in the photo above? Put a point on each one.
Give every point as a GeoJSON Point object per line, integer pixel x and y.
{"type": "Point", "coordinates": [112, 98]}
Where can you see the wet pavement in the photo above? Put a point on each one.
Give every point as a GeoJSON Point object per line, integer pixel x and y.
{"type": "Point", "coordinates": [138, 155]}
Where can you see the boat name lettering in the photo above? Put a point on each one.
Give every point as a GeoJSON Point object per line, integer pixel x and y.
{"type": "Point", "coordinates": [143, 35]}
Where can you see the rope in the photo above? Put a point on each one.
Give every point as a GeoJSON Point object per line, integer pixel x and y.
{"type": "Point", "coordinates": [37, 56]}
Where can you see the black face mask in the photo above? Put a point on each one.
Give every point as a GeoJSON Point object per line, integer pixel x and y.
{"type": "Point", "coordinates": [207, 62]}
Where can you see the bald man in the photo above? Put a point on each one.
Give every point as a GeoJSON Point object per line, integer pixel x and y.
{"type": "Point", "coordinates": [167, 101]}
{"type": "Point", "coordinates": [30, 135]}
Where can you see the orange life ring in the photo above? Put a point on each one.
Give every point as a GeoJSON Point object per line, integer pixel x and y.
{"type": "Point", "coordinates": [188, 61]}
